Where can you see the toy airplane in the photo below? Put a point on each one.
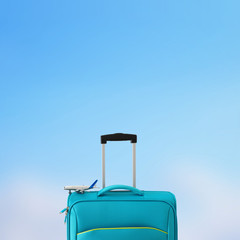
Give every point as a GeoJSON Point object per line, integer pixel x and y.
{"type": "Point", "coordinates": [82, 188]}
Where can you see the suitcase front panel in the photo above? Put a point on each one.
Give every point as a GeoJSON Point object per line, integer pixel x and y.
{"type": "Point", "coordinates": [121, 210]}
{"type": "Point", "coordinates": [139, 215]}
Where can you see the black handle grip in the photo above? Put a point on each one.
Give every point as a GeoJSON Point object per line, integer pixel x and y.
{"type": "Point", "coordinates": [118, 137]}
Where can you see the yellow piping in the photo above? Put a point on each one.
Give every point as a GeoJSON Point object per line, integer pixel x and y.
{"type": "Point", "coordinates": [119, 228]}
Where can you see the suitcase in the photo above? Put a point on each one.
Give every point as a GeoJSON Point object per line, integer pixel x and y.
{"type": "Point", "coordinates": [121, 212]}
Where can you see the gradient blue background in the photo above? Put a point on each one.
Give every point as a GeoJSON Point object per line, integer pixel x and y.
{"type": "Point", "coordinates": [168, 71]}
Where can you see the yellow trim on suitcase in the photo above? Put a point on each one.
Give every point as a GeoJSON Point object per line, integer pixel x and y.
{"type": "Point", "coordinates": [119, 228]}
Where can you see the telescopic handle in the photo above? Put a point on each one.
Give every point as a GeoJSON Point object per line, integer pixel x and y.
{"type": "Point", "coordinates": [119, 137]}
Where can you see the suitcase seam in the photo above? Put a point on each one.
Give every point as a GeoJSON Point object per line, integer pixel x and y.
{"type": "Point", "coordinates": [122, 201]}
{"type": "Point", "coordinates": [76, 219]}
{"type": "Point", "coordinates": [168, 221]}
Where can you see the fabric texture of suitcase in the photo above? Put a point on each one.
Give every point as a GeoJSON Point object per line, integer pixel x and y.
{"type": "Point", "coordinates": [121, 212]}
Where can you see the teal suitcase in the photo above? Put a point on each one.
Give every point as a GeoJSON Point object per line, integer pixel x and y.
{"type": "Point", "coordinates": [120, 212]}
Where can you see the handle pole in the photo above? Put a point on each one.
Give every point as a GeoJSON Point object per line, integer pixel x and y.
{"type": "Point", "coordinates": [134, 164]}
{"type": "Point", "coordinates": [103, 165]}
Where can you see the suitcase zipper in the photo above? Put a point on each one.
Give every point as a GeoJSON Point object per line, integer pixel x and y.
{"type": "Point", "coordinates": [121, 228]}
{"type": "Point", "coordinates": [66, 210]}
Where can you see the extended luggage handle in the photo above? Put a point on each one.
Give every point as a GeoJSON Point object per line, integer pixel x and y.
{"type": "Point", "coordinates": [115, 187]}
{"type": "Point", "coordinates": [119, 137]}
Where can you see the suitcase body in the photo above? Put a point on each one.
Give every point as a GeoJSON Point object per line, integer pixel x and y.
{"type": "Point", "coordinates": [120, 212]}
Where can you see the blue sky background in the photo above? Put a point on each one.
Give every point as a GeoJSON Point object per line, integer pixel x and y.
{"type": "Point", "coordinates": [167, 71]}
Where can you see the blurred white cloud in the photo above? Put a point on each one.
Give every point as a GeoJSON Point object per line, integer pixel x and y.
{"type": "Point", "coordinates": [30, 211]}
{"type": "Point", "coordinates": [208, 204]}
